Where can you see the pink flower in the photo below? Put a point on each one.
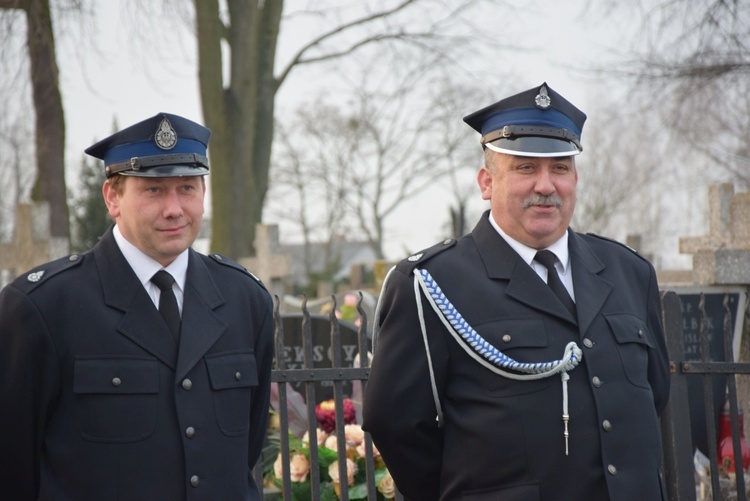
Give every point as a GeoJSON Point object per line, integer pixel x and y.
{"type": "Point", "coordinates": [351, 470]}
{"type": "Point", "coordinates": [354, 435]}
{"type": "Point", "coordinates": [387, 487]}
{"type": "Point", "coordinates": [299, 467]}
{"type": "Point", "coordinates": [351, 300]}
{"type": "Point", "coordinates": [320, 434]}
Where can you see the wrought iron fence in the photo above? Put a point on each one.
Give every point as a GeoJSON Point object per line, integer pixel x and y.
{"type": "Point", "coordinates": [309, 375]}
{"type": "Point", "coordinates": [679, 468]}
{"type": "Point", "coordinates": [678, 448]}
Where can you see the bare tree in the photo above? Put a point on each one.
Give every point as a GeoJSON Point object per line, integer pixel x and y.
{"type": "Point", "coordinates": [239, 104]}
{"type": "Point", "coordinates": [394, 138]}
{"type": "Point", "coordinates": [692, 63]}
{"type": "Point", "coordinates": [49, 185]}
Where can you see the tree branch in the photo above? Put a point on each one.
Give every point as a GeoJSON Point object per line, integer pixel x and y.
{"type": "Point", "coordinates": [340, 29]}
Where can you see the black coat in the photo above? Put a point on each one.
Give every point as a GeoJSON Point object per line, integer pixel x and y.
{"type": "Point", "coordinates": [98, 402]}
{"type": "Point", "coordinates": [502, 439]}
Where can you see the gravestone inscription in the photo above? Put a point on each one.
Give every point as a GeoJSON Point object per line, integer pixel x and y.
{"type": "Point", "coordinates": [691, 318]}
{"type": "Point", "coordinates": [293, 352]}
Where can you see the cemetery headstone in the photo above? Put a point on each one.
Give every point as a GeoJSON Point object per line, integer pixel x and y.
{"type": "Point", "coordinates": [320, 326]}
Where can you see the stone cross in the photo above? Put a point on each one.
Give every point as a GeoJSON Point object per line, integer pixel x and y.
{"type": "Point", "coordinates": [269, 264]}
{"type": "Point", "coordinates": [723, 256]}
{"type": "Point", "coordinates": [32, 244]}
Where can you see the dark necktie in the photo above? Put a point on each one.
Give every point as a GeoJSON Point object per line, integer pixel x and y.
{"type": "Point", "coordinates": [167, 302]}
{"type": "Point", "coordinates": [547, 258]}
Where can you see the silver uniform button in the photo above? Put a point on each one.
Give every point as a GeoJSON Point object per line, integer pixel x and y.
{"type": "Point", "coordinates": [612, 469]}
{"type": "Point", "coordinates": [587, 342]}
{"type": "Point", "coordinates": [597, 382]}
{"type": "Point", "coordinates": [237, 375]}
{"type": "Point", "coordinates": [607, 425]}
{"type": "Point", "coordinates": [187, 384]}
{"type": "Point", "coordinates": [190, 432]}
{"type": "Point", "coordinates": [195, 480]}
{"type": "Point", "coordinates": [640, 333]}
{"type": "Point", "coordinates": [507, 338]}
{"type": "Point", "coordinates": [116, 381]}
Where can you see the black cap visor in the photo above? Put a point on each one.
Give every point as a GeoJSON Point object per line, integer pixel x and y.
{"type": "Point", "coordinates": [167, 171]}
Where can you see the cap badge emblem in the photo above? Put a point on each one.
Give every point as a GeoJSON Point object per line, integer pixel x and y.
{"type": "Point", "coordinates": [415, 257]}
{"type": "Point", "coordinates": [165, 137]}
{"type": "Point", "coordinates": [542, 100]}
{"type": "Point", "coordinates": [36, 276]}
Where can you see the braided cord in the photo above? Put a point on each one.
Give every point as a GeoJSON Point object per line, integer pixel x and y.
{"type": "Point", "coordinates": [481, 350]}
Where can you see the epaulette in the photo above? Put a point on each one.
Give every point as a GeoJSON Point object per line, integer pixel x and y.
{"type": "Point", "coordinates": [608, 239]}
{"type": "Point", "coordinates": [407, 265]}
{"type": "Point", "coordinates": [234, 264]}
{"type": "Point", "coordinates": [42, 273]}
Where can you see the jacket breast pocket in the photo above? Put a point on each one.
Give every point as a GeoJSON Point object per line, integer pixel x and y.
{"type": "Point", "coordinates": [633, 343]}
{"type": "Point", "coordinates": [115, 398]}
{"type": "Point", "coordinates": [523, 340]}
{"type": "Point", "coordinates": [233, 378]}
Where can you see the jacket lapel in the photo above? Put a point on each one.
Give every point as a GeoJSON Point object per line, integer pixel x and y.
{"type": "Point", "coordinates": [591, 290]}
{"type": "Point", "coordinates": [141, 322]}
{"type": "Point", "coordinates": [201, 327]}
{"type": "Point", "coordinates": [524, 285]}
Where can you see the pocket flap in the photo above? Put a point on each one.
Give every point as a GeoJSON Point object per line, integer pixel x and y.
{"type": "Point", "coordinates": [115, 375]}
{"type": "Point", "coordinates": [237, 370]}
{"type": "Point", "coordinates": [629, 329]}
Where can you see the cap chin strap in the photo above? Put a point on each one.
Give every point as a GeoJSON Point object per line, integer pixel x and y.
{"type": "Point", "coordinates": [510, 131]}
{"type": "Point", "coordinates": [138, 163]}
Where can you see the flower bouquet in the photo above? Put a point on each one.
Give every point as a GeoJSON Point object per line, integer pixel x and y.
{"type": "Point", "coordinates": [328, 460]}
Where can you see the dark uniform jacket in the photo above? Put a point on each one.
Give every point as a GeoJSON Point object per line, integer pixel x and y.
{"type": "Point", "coordinates": [98, 403]}
{"type": "Point", "coordinates": [502, 439]}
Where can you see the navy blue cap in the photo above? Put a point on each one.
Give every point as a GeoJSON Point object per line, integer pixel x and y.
{"type": "Point", "coordinates": [164, 145]}
{"type": "Point", "coordinates": [538, 122]}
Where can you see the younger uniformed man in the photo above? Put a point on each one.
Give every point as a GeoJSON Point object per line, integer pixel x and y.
{"type": "Point", "coordinates": [140, 369]}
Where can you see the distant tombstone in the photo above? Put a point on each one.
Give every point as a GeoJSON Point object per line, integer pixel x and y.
{"type": "Point", "coordinates": [714, 307]}
{"type": "Point", "coordinates": [320, 326]}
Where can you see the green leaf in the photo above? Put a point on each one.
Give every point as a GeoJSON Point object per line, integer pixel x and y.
{"type": "Point", "coordinates": [358, 491]}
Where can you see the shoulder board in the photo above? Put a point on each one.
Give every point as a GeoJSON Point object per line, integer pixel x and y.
{"type": "Point", "coordinates": [35, 277]}
{"type": "Point", "coordinates": [608, 239]}
{"type": "Point", "coordinates": [234, 264]}
{"type": "Point", "coordinates": [407, 265]}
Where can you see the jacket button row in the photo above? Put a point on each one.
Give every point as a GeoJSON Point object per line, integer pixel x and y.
{"type": "Point", "coordinates": [187, 384]}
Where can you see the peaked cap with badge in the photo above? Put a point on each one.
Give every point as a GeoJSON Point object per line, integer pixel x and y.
{"type": "Point", "coordinates": [164, 145]}
{"type": "Point", "coordinates": [538, 122]}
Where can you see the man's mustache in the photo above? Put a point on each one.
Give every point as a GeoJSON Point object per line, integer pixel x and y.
{"type": "Point", "coordinates": [553, 200]}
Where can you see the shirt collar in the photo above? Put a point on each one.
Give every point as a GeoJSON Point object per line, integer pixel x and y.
{"type": "Point", "coordinates": [559, 248]}
{"type": "Point", "coordinates": [145, 266]}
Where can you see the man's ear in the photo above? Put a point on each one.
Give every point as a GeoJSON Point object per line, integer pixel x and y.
{"type": "Point", "coordinates": [111, 199]}
{"type": "Point", "coordinates": [484, 180]}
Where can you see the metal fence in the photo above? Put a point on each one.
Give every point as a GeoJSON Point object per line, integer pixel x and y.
{"type": "Point", "coordinates": [678, 448]}
{"type": "Point", "coordinates": [679, 467]}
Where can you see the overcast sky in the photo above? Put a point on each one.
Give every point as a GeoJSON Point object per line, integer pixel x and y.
{"type": "Point", "coordinates": [119, 79]}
